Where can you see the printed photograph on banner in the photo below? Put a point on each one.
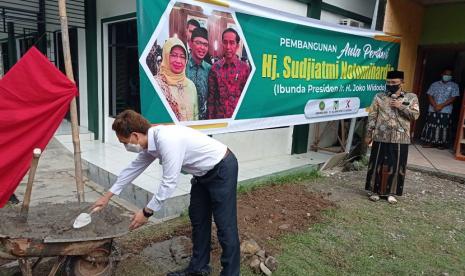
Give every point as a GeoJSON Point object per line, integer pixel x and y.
{"type": "Point", "coordinates": [198, 63]}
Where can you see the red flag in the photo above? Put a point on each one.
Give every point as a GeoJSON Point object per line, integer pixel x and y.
{"type": "Point", "coordinates": [34, 98]}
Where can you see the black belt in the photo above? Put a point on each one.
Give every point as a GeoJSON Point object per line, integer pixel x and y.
{"type": "Point", "coordinates": [195, 179]}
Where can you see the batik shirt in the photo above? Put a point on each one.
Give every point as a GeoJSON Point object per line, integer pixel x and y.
{"type": "Point", "coordinates": [441, 92]}
{"type": "Point", "coordinates": [225, 85]}
{"type": "Point", "coordinates": [182, 99]}
{"type": "Point", "coordinates": [389, 124]}
{"type": "Point", "coordinates": [198, 74]}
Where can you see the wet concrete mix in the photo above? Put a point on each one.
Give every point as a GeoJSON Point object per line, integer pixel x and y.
{"type": "Point", "coordinates": [55, 222]}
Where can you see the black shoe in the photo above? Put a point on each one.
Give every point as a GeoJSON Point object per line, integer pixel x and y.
{"type": "Point", "coordinates": [13, 199]}
{"type": "Point", "coordinates": [187, 273]}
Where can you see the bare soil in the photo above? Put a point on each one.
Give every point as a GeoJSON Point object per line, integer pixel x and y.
{"type": "Point", "coordinates": [272, 211]}
{"type": "Point", "coordinates": [264, 214]}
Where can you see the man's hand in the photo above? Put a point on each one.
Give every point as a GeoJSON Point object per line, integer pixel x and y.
{"type": "Point", "coordinates": [438, 107]}
{"type": "Point", "coordinates": [102, 201]}
{"type": "Point", "coordinates": [138, 220]}
{"type": "Point", "coordinates": [368, 140]}
{"type": "Point", "coordinates": [395, 103]}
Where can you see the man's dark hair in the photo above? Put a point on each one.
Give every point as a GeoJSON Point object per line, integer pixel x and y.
{"type": "Point", "coordinates": [447, 69]}
{"type": "Point", "coordinates": [128, 122]}
{"type": "Point", "coordinates": [193, 22]}
{"type": "Point", "coordinates": [231, 30]}
{"type": "Point", "coordinates": [199, 32]}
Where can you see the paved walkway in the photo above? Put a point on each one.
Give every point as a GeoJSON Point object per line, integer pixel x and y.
{"type": "Point", "coordinates": [433, 159]}
{"type": "Point", "coordinates": [54, 181]}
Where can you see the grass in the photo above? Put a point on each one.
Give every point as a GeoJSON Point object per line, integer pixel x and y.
{"type": "Point", "coordinates": [136, 240]}
{"type": "Point", "coordinates": [289, 177]}
{"type": "Point", "coordinates": [411, 238]}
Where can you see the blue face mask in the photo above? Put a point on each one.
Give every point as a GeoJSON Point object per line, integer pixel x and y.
{"type": "Point", "coordinates": [446, 78]}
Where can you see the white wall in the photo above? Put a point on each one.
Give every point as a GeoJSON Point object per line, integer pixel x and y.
{"type": "Point", "coordinates": [253, 145]}
{"type": "Point", "coordinates": [331, 17]}
{"type": "Point", "coordinates": [110, 8]}
{"type": "Point", "coordinates": [362, 7]}
{"type": "Point", "coordinates": [82, 61]}
{"type": "Point", "coordinates": [289, 6]}
{"type": "Point", "coordinates": [107, 9]}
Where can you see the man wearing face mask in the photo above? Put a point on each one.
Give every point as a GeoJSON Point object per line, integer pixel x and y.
{"type": "Point", "coordinates": [388, 129]}
{"type": "Point", "coordinates": [441, 95]}
{"type": "Point", "coordinates": [213, 190]}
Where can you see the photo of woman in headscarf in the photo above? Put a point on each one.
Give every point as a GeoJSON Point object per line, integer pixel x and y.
{"type": "Point", "coordinates": [179, 91]}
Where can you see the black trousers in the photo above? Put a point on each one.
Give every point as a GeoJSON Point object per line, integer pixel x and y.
{"type": "Point", "coordinates": [215, 194]}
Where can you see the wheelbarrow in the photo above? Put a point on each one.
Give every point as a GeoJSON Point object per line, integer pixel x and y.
{"type": "Point", "coordinates": [80, 256]}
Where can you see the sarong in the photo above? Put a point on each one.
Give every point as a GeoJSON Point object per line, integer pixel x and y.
{"type": "Point", "coordinates": [437, 129]}
{"type": "Point", "coordinates": [386, 169]}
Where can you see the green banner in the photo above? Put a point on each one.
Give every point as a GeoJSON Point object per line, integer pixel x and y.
{"type": "Point", "coordinates": [229, 66]}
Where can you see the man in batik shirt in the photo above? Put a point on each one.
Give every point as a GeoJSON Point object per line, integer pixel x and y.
{"type": "Point", "coordinates": [197, 69]}
{"type": "Point", "coordinates": [391, 114]}
{"type": "Point", "coordinates": [227, 78]}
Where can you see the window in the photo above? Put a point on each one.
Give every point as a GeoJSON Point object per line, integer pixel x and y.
{"type": "Point", "coordinates": [25, 44]}
{"type": "Point", "coordinates": [381, 14]}
{"type": "Point", "coordinates": [123, 67]}
{"type": "Point", "coordinates": [60, 62]}
{"type": "Point", "coordinates": [73, 48]}
{"type": "Point", "coordinates": [5, 59]}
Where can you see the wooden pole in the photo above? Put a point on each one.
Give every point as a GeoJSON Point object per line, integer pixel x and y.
{"type": "Point", "coordinates": [73, 106]}
{"type": "Point", "coordinates": [61, 260]}
{"type": "Point", "coordinates": [350, 137]}
{"type": "Point", "coordinates": [32, 172]}
{"type": "Point", "coordinates": [316, 140]}
{"type": "Point", "coordinates": [25, 266]}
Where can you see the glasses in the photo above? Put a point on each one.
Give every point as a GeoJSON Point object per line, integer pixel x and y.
{"type": "Point", "coordinates": [174, 56]}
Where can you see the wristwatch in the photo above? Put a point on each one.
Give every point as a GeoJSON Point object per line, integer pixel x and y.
{"type": "Point", "coordinates": [147, 214]}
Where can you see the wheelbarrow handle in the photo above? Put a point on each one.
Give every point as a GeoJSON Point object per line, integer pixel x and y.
{"type": "Point", "coordinates": [32, 171]}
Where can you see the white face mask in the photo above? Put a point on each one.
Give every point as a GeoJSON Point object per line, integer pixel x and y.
{"type": "Point", "coordinates": [133, 148]}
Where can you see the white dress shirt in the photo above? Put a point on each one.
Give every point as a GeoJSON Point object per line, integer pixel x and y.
{"type": "Point", "coordinates": [178, 148]}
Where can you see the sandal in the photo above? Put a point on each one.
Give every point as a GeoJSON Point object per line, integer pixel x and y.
{"type": "Point", "coordinates": [374, 198]}
{"type": "Point", "coordinates": [392, 200]}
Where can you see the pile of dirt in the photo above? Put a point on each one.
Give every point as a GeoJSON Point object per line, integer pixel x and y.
{"type": "Point", "coordinates": [263, 214]}
{"type": "Point", "coordinates": [269, 212]}
{"type": "Point", "coordinates": [55, 222]}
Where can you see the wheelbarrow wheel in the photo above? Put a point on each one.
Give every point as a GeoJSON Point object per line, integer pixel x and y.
{"type": "Point", "coordinates": [98, 263]}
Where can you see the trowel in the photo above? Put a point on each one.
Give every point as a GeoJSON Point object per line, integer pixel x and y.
{"type": "Point", "coordinates": [84, 218]}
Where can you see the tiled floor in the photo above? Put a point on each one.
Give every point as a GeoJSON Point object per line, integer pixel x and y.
{"type": "Point", "coordinates": [54, 180]}
{"type": "Point", "coordinates": [435, 159]}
